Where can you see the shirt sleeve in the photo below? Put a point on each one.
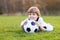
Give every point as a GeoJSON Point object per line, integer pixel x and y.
{"type": "Point", "coordinates": [42, 22]}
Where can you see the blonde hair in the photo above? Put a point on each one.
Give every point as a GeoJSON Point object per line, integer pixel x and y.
{"type": "Point", "coordinates": [35, 10]}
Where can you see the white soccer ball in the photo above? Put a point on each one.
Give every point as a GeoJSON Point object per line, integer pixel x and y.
{"type": "Point", "coordinates": [31, 27]}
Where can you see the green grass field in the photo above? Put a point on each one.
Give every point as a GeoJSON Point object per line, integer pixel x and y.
{"type": "Point", "coordinates": [10, 29]}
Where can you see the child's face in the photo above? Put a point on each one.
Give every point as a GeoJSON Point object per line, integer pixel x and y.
{"type": "Point", "coordinates": [32, 16]}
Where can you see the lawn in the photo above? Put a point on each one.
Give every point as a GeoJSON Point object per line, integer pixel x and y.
{"type": "Point", "coordinates": [10, 29]}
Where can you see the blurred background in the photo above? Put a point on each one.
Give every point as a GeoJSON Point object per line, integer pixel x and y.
{"type": "Point", "coordinates": [20, 7]}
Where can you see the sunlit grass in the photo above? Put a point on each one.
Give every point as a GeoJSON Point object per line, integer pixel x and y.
{"type": "Point", "coordinates": [10, 29]}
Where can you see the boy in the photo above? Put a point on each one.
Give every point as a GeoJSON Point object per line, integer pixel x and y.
{"type": "Point", "coordinates": [34, 14]}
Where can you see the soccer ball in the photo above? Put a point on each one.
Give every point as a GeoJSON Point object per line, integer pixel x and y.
{"type": "Point", "coordinates": [31, 27]}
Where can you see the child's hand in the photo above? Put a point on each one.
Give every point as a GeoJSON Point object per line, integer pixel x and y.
{"type": "Point", "coordinates": [25, 22]}
{"type": "Point", "coordinates": [37, 23]}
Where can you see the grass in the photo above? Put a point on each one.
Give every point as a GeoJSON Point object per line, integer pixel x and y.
{"type": "Point", "coordinates": [10, 29]}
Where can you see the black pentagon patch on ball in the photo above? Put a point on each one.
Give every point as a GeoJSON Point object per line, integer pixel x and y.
{"type": "Point", "coordinates": [32, 23]}
{"type": "Point", "coordinates": [28, 29]}
{"type": "Point", "coordinates": [35, 30]}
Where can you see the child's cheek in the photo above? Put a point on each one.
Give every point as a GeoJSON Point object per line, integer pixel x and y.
{"type": "Point", "coordinates": [35, 16]}
{"type": "Point", "coordinates": [31, 17]}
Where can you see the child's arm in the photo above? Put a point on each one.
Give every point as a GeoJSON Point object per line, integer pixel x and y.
{"type": "Point", "coordinates": [39, 25]}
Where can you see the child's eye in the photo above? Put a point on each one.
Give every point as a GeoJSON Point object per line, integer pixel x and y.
{"type": "Point", "coordinates": [33, 14]}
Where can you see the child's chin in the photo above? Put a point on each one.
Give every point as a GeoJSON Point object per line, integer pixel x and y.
{"type": "Point", "coordinates": [31, 19]}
